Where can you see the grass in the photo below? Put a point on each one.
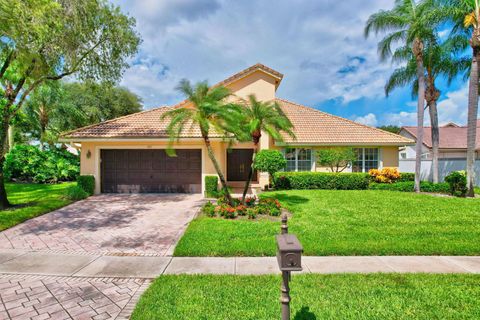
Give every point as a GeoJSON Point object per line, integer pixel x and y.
{"type": "Point", "coordinates": [32, 200]}
{"type": "Point", "coordinates": [346, 296]}
{"type": "Point", "coordinates": [330, 222]}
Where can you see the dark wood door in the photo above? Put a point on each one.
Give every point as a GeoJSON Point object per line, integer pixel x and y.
{"type": "Point", "coordinates": [238, 164]}
{"type": "Point", "coordinates": [151, 171]}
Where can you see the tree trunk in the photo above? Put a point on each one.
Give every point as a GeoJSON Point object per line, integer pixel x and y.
{"type": "Point", "coordinates": [435, 138]}
{"type": "Point", "coordinates": [219, 171]}
{"type": "Point", "coordinates": [4, 203]}
{"type": "Point", "coordinates": [472, 119]}
{"type": "Point", "coordinates": [11, 137]}
{"type": "Point", "coordinates": [418, 52]}
{"type": "Point", "coordinates": [250, 173]}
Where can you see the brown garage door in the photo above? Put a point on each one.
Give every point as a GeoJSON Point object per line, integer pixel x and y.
{"type": "Point", "coordinates": [143, 171]}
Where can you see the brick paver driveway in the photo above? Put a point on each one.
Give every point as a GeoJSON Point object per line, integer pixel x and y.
{"type": "Point", "coordinates": [139, 224]}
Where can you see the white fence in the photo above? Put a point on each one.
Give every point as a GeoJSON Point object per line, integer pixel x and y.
{"type": "Point", "coordinates": [445, 166]}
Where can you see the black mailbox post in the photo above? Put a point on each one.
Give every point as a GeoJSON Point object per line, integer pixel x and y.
{"type": "Point", "coordinates": [289, 257]}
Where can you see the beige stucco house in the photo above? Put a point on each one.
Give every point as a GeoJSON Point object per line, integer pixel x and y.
{"type": "Point", "coordinates": [127, 154]}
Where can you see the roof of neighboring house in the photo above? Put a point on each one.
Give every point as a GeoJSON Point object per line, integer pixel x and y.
{"type": "Point", "coordinates": [451, 137]}
{"type": "Point", "coordinates": [312, 126]}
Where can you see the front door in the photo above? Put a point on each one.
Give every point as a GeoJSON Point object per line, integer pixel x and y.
{"type": "Point", "coordinates": [239, 162]}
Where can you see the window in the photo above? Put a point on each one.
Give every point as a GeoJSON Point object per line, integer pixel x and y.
{"type": "Point", "coordinates": [298, 159]}
{"type": "Point", "coordinates": [367, 158]}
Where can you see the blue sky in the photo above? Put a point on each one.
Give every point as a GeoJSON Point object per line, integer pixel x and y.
{"type": "Point", "coordinates": [318, 45]}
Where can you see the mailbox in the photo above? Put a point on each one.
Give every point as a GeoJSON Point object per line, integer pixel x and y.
{"type": "Point", "coordinates": [289, 253]}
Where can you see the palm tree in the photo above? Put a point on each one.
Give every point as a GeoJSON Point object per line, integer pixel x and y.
{"type": "Point", "coordinates": [439, 60]}
{"type": "Point", "coordinates": [409, 23]}
{"type": "Point", "coordinates": [466, 16]}
{"type": "Point", "coordinates": [262, 117]}
{"type": "Point", "coordinates": [209, 111]}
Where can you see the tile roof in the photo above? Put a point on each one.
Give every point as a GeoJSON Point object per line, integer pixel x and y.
{"type": "Point", "coordinates": [450, 137]}
{"type": "Point", "coordinates": [145, 124]}
{"type": "Point", "coordinates": [312, 126]}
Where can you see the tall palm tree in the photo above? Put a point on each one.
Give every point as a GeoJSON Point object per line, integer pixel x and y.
{"type": "Point", "coordinates": [209, 111]}
{"type": "Point", "coordinates": [466, 16]}
{"type": "Point", "coordinates": [263, 117]}
{"type": "Point", "coordinates": [409, 23]}
{"type": "Point", "coordinates": [443, 59]}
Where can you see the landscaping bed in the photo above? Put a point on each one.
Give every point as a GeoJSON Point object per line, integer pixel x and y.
{"type": "Point", "coordinates": [31, 200]}
{"type": "Point", "coordinates": [347, 222]}
{"type": "Point", "coordinates": [347, 296]}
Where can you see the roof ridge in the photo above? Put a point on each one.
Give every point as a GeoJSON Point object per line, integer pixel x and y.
{"type": "Point", "coordinates": [112, 120]}
{"type": "Point", "coordinates": [341, 118]}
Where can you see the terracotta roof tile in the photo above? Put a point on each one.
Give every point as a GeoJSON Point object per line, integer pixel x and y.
{"type": "Point", "coordinates": [312, 126]}
{"type": "Point", "coordinates": [450, 137]}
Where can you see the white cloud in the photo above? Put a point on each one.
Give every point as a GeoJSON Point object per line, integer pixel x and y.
{"type": "Point", "coordinates": [453, 108]}
{"type": "Point", "coordinates": [311, 42]}
{"type": "Point", "coordinates": [369, 120]}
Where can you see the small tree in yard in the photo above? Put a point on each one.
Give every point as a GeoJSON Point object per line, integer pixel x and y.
{"type": "Point", "coordinates": [336, 159]}
{"type": "Point", "coordinates": [209, 110]}
{"type": "Point", "coordinates": [44, 40]}
{"type": "Point", "coordinates": [270, 161]}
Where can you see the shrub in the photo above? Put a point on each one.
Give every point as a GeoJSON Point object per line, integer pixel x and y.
{"type": "Point", "coordinates": [211, 186]}
{"type": "Point", "coordinates": [386, 175]}
{"type": "Point", "coordinates": [30, 164]}
{"type": "Point", "coordinates": [87, 183]}
{"type": "Point", "coordinates": [406, 176]}
{"type": "Point", "coordinates": [321, 180]}
{"type": "Point", "coordinates": [250, 201]}
{"type": "Point", "coordinates": [241, 210]}
{"type": "Point", "coordinates": [75, 193]}
{"type": "Point", "coordinates": [269, 206]}
{"type": "Point", "coordinates": [252, 213]}
{"type": "Point", "coordinates": [226, 211]}
{"type": "Point", "coordinates": [208, 209]}
{"type": "Point", "coordinates": [457, 181]}
{"type": "Point", "coordinates": [408, 186]}
{"type": "Point", "coordinates": [270, 161]}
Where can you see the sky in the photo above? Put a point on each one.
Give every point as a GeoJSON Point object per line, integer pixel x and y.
{"type": "Point", "coordinates": [318, 45]}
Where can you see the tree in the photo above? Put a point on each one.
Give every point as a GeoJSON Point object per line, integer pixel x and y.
{"type": "Point", "coordinates": [48, 40]}
{"type": "Point", "coordinates": [410, 24]}
{"type": "Point", "coordinates": [94, 103]}
{"type": "Point", "coordinates": [270, 161]}
{"type": "Point", "coordinates": [262, 117]}
{"type": "Point", "coordinates": [337, 159]}
{"type": "Point", "coordinates": [390, 128]}
{"type": "Point", "coordinates": [466, 17]}
{"type": "Point", "coordinates": [210, 112]}
{"type": "Point", "coordinates": [442, 59]}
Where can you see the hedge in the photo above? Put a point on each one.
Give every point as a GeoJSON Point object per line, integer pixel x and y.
{"type": "Point", "coordinates": [30, 164]}
{"type": "Point", "coordinates": [408, 186]}
{"type": "Point", "coordinates": [86, 183]}
{"type": "Point", "coordinates": [406, 176]}
{"type": "Point", "coordinates": [321, 180]}
{"type": "Point", "coordinates": [211, 186]}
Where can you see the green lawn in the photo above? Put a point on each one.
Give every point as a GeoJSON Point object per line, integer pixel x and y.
{"type": "Point", "coordinates": [35, 199]}
{"type": "Point", "coordinates": [346, 296]}
{"type": "Point", "coordinates": [330, 222]}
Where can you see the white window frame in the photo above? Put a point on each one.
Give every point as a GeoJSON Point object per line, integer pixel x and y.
{"type": "Point", "coordinates": [379, 158]}
{"type": "Point", "coordinates": [312, 158]}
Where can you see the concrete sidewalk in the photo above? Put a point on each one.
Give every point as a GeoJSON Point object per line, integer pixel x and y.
{"type": "Point", "coordinates": [74, 265]}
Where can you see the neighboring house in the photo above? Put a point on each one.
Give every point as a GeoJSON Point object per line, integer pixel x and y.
{"type": "Point", "coordinates": [127, 154]}
{"type": "Point", "coordinates": [452, 150]}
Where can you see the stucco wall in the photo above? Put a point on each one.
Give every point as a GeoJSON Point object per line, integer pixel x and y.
{"type": "Point", "coordinates": [258, 83]}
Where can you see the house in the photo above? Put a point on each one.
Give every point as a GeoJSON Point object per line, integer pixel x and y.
{"type": "Point", "coordinates": [452, 151]}
{"type": "Point", "coordinates": [127, 154]}
{"type": "Point", "coordinates": [452, 144]}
